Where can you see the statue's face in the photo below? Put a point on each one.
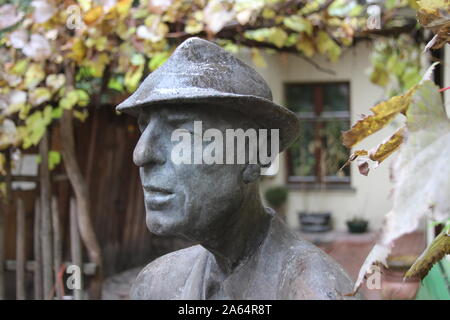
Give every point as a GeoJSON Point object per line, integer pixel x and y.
{"type": "Point", "coordinates": [192, 200]}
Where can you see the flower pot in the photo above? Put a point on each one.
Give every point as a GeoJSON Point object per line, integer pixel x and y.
{"type": "Point", "coordinates": [357, 226]}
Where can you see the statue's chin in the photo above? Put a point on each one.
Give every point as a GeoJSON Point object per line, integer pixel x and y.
{"type": "Point", "coordinates": [160, 228]}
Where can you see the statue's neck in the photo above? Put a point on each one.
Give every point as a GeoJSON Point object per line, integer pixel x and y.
{"type": "Point", "coordinates": [242, 235]}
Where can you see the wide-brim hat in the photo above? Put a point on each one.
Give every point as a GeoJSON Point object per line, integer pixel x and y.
{"type": "Point", "coordinates": [201, 72]}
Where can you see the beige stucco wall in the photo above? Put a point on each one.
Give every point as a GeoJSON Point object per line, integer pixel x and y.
{"type": "Point", "coordinates": [369, 196]}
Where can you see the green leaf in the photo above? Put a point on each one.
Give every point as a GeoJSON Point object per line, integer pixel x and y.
{"type": "Point", "coordinates": [299, 24]}
{"type": "Point", "coordinates": [274, 35]}
{"type": "Point", "coordinates": [54, 158]}
{"type": "Point", "coordinates": [39, 96]}
{"type": "Point", "coordinates": [20, 67]}
{"type": "Point", "coordinates": [69, 100]}
{"type": "Point", "coordinates": [57, 113]}
{"type": "Point", "coordinates": [116, 83]}
{"type": "Point", "coordinates": [83, 97]}
{"type": "Point", "coordinates": [80, 115]}
{"type": "Point", "coordinates": [137, 59]}
{"type": "Point", "coordinates": [157, 60]}
{"type": "Point", "coordinates": [132, 78]}
{"type": "Point", "coordinates": [34, 75]}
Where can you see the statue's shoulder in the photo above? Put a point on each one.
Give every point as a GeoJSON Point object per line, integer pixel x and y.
{"type": "Point", "coordinates": [317, 273]}
{"type": "Point", "coordinates": [308, 272]}
{"type": "Point", "coordinates": [163, 277]}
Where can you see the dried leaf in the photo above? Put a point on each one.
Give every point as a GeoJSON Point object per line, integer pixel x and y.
{"type": "Point", "coordinates": [38, 48]}
{"type": "Point", "coordinates": [43, 11]}
{"type": "Point", "coordinates": [386, 148]}
{"type": "Point", "coordinates": [383, 113]}
{"type": "Point", "coordinates": [19, 38]}
{"type": "Point", "coordinates": [378, 254]}
{"type": "Point", "coordinates": [9, 16]}
{"type": "Point", "coordinates": [8, 134]}
{"type": "Point", "coordinates": [55, 81]}
{"type": "Point", "coordinates": [435, 15]}
{"type": "Point", "coordinates": [216, 15]}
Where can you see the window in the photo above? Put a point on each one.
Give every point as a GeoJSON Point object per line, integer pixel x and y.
{"type": "Point", "coordinates": [324, 112]}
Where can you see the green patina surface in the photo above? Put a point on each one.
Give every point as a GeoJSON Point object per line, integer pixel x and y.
{"type": "Point", "coordinates": [436, 285]}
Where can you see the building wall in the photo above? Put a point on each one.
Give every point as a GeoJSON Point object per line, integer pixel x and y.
{"type": "Point", "coordinates": [368, 196]}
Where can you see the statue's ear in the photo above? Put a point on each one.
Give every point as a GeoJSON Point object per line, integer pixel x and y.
{"type": "Point", "coordinates": [251, 173]}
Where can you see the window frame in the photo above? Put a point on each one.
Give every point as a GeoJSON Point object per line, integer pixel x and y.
{"type": "Point", "coordinates": [318, 181]}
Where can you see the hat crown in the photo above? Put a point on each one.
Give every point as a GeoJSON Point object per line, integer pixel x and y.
{"type": "Point", "coordinates": [203, 64]}
{"type": "Point", "coordinates": [197, 66]}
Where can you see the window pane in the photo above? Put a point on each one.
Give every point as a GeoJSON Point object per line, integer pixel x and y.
{"type": "Point", "coordinates": [334, 154]}
{"type": "Point", "coordinates": [300, 98]}
{"type": "Point", "coordinates": [336, 97]}
{"type": "Point", "coordinates": [303, 160]}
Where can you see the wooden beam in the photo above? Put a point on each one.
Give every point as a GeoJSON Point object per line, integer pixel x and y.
{"type": "Point", "coordinates": [37, 277]}
{"type": "Point", "coordinates": [20, 251]}
{"type": "Point", "coordinates": [75, 245]}
{"type": "Point", "coordinates": [57, 245]}
{"type": "Point", "coordinates": [46, 219]}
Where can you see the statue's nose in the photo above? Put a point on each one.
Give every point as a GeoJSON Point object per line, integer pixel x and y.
{"type": "Point", "coordinates": [150, 147]}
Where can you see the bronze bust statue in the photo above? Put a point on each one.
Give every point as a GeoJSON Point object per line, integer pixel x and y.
{"type": "Point", "coordinates": [245, 251]}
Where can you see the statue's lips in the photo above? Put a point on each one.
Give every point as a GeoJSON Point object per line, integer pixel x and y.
{"type": "Point", "coordinates": [156, 196]}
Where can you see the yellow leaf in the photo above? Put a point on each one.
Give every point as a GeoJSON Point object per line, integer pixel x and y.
{"type": "Point", "coordinates": [193, 26]}
{"type": "Point", "coordinates": [385, 149]}
{"type": "Point", "coordinates": [257, 58]}
{"type": "Point", "coordinates": [34, 75]}
{"type": "Point", "coordinates": [378, 154]}
{"type": "Point", "coordinates": [85, 4]}
{"type": "Point", "coordinates": [93, 15]}
{"type": "Point", "coordinates": [268, 13]}
{"type": "Point", "coordinates": [433, 4]}
{"type": "Point", "coordinates": [78, 51]}
{"type": "Point", "coordinates": [306, 46]}
{"type": "Point", "coordinates": [383, 113]}
{"type": "Point", "coordinates": [123, 6]}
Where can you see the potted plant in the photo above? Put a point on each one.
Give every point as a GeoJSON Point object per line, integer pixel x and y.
{"type": "Point", "coordinates": [357, 225]}
{"type": "Point", "coordinates": [276, 198]}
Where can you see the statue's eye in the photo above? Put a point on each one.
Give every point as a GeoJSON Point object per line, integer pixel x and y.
{"type": "Point", "coordinates": [142, 123]}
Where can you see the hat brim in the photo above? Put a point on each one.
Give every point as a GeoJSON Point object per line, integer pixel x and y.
{"type": "Point", "coordinates": [265, 113]}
